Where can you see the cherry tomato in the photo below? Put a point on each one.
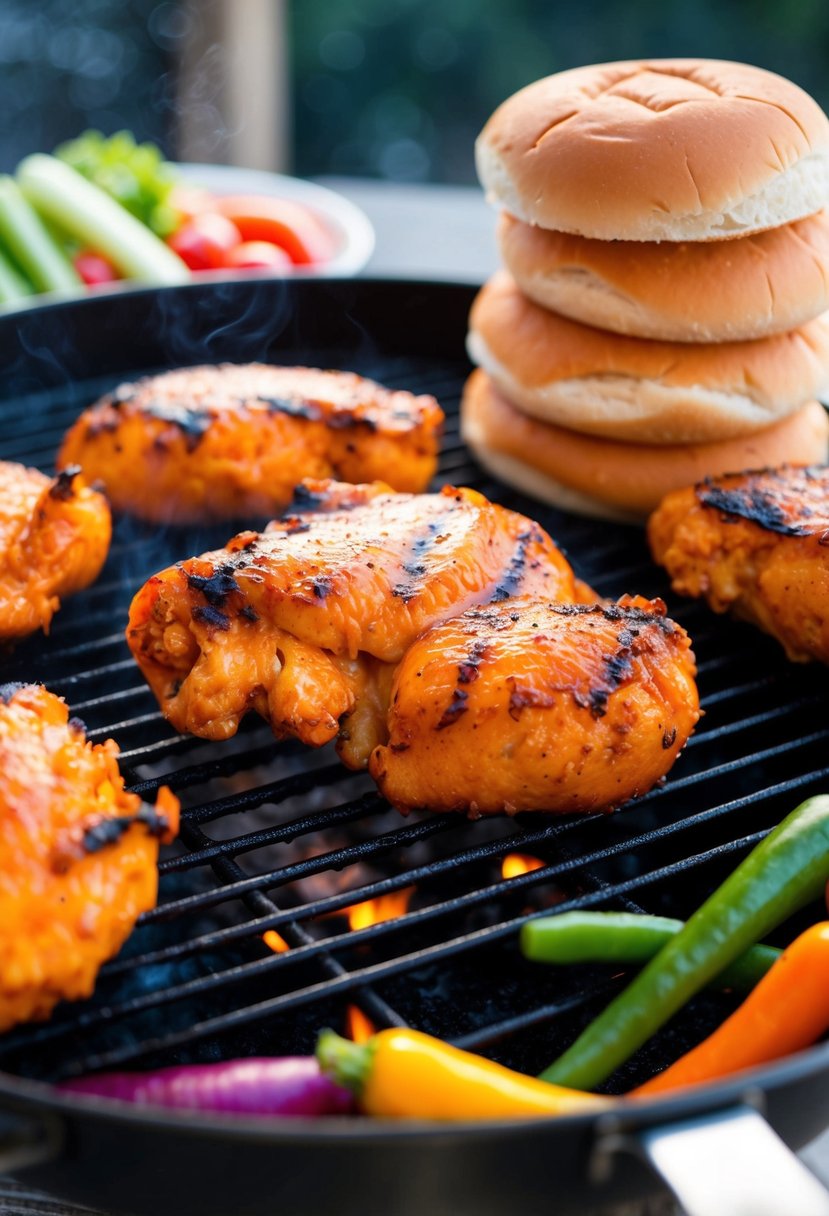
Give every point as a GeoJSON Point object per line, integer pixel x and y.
{"type": "Point", "coordinates": [258, 255]}
{"type": "Point", "coordinates": [295, 228]}
{"type": "Point", "coordinates": [204, 241]}
{"type": "Point", "coordinates": [94, 269]}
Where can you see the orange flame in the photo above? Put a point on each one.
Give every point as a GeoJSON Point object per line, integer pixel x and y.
{"type": "Point", "coordinates": [274, 942]}
{"type": "Point", "coordinates": [384, 907]}
{"type": "Point", "coordinates": [358, 1027]}
{"type": "Point", "coordinates": [519, 863]}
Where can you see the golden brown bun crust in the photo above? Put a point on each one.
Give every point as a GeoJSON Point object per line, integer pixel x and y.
{"type": "Point", "coordinates": [682, 149]}
{"type": "Point", "coordinates": [714, 291]}
{"type": "Point", "coordinates": [638, 390]}
{"type": "Point", "coordinates": [620, 480]}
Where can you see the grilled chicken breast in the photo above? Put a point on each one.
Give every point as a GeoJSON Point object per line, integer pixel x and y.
{"type": "Point", "coordinates": [231, 442]}
{"type": "Point", "coordinates": [54, 538]}
{"type": "Point", "coordinates": [77, 854]}
{"type": "Point", "coordinates": [305, 622]}
{"type": "Point", "coordinates": [530, 705]}
{"type": "Point", "coordinates": [756, 543]}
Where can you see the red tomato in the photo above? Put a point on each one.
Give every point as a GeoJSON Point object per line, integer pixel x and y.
{"type": "Point", "coordinates": [204, 241]}
{"type": "Point", "coordinates": [94, 269]}
{"type": "Point", "coordinates": [295, 228]}
{"type": "Point", "coordinates": [257, 255]}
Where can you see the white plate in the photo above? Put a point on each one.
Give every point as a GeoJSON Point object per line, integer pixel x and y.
{"type": "Point", "coordinates": [350, 225]}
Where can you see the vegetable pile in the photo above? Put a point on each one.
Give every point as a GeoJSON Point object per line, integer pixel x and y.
{"type": "Point", "coordinates": [103, 209]}
{"type": "Point", "coordinates": [402, 1073]}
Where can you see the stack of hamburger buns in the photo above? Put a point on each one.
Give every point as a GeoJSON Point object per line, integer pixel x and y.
{"type": "Point", "coordinates": [663, 312]}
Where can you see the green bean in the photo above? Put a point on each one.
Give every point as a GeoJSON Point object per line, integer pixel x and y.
{"type": "Point", "coordinates": [787, 870]}
{"type": "Point", "coordinates": [627, 937]}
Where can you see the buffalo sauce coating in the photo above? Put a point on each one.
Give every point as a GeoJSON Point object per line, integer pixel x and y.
{"type": "Point", "coordinates": [54, 538]}
{"type": "Point", "coordinates": [232, 441]}
{"type": "Point", "coordinates": [77, 854]}
{"type": "Point", "coordinates": [303, 621]}
{"type": "Point", "coordinates": [530, 705]}
{"type": "Point", "coordinates": [757, 544]}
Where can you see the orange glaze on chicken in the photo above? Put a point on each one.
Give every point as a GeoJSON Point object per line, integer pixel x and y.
{"type": "Point", "coordinates": [232, 441]}
{"type": "Point", "coordinates": [77, 854]}
{"type": "Point", "coordinates": [531, 706]}
{"type": "Point", "coordinates": [54, 538]}
{"type": "Point", "coordinates": [304, 623]}
{"type": "Point", "coordinates": [756, 543]}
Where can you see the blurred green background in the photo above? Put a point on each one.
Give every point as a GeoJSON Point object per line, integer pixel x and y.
{"type": "Point", "coordinates": [390, 89]}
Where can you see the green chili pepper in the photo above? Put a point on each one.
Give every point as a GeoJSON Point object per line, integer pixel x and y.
{"type": "Point", "coordinates": [627, 937]}
{"type": "Point", "coordinates": [787, 870]}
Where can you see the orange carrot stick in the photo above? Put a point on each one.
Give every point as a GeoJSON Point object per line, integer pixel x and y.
{"type": "Point", "coordinates": [787, 1011]}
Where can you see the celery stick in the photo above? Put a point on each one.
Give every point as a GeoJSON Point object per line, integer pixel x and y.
{"type": "Point", "coordinates": [24, 236]}
{"type": "Point", "coordinates": [12, 284]}
{"type": "Point", "coordinates": [84, 212]}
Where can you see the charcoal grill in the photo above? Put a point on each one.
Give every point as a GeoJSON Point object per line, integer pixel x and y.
{"type": "Point", "coordinates": [275, 837]}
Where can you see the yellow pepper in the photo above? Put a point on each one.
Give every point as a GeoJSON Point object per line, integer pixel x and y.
{"type": "Point", "coordinates": [406, 1074]}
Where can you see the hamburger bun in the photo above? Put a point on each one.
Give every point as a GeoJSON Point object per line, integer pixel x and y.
{"type": "Point", "coordinates": [635, 389]}
{"type": "Point", "coordinates": [720, 291]}
{"type": "Point", "coordinates": [658, 150]}
{"type": "Point", "coordinates": [619, 481]}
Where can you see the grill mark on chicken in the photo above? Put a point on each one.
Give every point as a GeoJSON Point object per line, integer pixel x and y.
{"type": "Point", "coordinates": [295, 407]}
{"type": "Point", "coordinates": [468, 670]}
{"type": "Point", "coordinates": [513, 576]}
{"type": "Point", "coordinates": [108, 831]}
{"type": "Point", "coordinates": [192, 423]}
{"type": "Point", "coordinates": [751, 503]}
{"type": "Point", "coordinates": [211, 616]}
{"type": "Point", "coordinates": [414, 567]}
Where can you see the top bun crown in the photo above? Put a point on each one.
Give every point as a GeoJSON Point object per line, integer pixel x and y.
{"type": "Point", "coordinates": [659, 150]}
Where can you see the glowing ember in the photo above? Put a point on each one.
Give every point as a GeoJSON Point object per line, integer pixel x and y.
{"type": "Point", "coordinates": [274, 942]}
{"type": "Point", "coordinates": [519, 863]}
{"type": "Point", "coordinates": [385, 907]}
{"type": "Point", "coordinates": [358, 1027]}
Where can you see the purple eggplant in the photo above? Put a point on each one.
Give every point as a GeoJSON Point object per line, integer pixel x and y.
{"type": "Point", "coordinates": [291, 1086]}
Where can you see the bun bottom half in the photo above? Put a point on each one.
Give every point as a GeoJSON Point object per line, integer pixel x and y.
{"type": "Point", "coordinates": [610, 480]}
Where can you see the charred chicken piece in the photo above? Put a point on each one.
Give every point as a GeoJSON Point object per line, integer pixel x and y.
{"type": "Point", "coordinates": [756, 543]}
{"type": "Point", "coordinates": [54, 538]}
{"type": "Point", "coordinates": [535, 706]}
{"type": "Point", "coordinates": [305, 622]}
{"type": "Point", "coordinates": [77, 854]}
{"type": "Point", "coordinates": [232, 441]}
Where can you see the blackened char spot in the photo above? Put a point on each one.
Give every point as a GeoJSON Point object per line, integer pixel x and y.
{"type": "Point", "coordinates": [752, 503]}
{"type": "Point", "coordinates": [306, 499]}
{"type": "Point", "coordinates": [293, 524]}
{"type": "Point", "coordinates": [61, 488]}
{"type": "Point", "coordinates": [7, 691]}
{"type": "Point", "coordinates": [211, 616]}
{"type": "Point", "coordinates": [468, 669]}
{"type": "Point", "coordinates": [249, 613]}
{"type": "Point", "coordinates": [296, 407]}
{"type": "Point", "coordinates": [454, 709]}
{"type": "Point", "coordinates": [669, 738]}
{"type": "Point", "coordinates": [217, 587]}
{"type": "Point", "coordinates": [321, 585]}
{"type": "Point", "coordinates": [192, 423]}
{"type": "Point", "coordinates": [404, 592]}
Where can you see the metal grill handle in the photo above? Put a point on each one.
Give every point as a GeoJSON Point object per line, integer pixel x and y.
{"type": "Point", "coordinates": [732, 1164]}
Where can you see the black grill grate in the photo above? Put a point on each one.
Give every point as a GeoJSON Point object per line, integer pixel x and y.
{"type": "Point", "coordinates": [278, 837]}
